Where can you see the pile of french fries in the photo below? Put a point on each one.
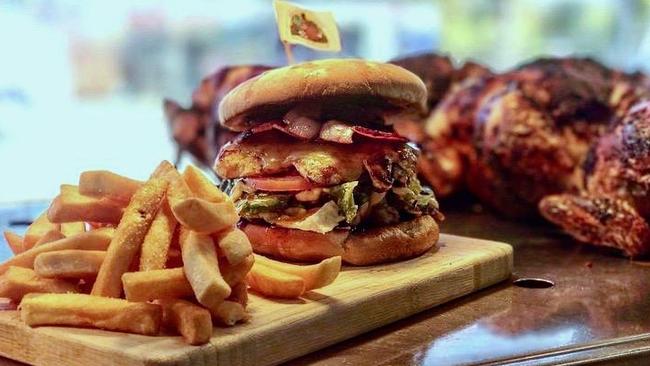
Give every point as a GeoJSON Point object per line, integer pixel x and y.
{"type": "Point", "coordinates": [124, 255]}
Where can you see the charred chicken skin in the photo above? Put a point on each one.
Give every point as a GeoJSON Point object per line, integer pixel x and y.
{"type": "Point", "coordinates": [438, 163]}
{"type": "Point", "coordinates": [613, 207]}
{"type": "Point", "coordinates": [565, 137]}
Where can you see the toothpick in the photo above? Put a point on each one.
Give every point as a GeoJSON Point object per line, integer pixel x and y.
{"type": "Point", "coordinates": [288, 52]}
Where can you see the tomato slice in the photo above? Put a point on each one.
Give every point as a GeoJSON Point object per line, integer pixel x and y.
{"type": "Point", "coordinates": [287, 183]}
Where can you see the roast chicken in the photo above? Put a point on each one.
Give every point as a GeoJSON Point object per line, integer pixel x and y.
{"type": "Point", "coordinates": [565, 137]}
{"type": "Point", "coordinates": [438, 162]}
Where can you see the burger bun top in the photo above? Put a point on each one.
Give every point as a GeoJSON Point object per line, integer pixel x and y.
{"type": "Point", "coordinates": [325, 81]}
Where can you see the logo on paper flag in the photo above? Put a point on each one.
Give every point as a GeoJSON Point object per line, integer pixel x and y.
{"type": "Point", "coordinates": [313, 29]}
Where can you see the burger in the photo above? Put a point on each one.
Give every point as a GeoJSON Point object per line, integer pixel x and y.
{"type": "Point", "coordinates": [317, 172]}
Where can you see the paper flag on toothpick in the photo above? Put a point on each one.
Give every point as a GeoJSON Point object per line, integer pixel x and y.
{"type": "Point", "coordinates": [313, 29]}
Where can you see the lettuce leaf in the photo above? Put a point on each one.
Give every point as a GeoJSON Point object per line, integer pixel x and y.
{"type": "Point", "coordinates": [322, 221]}
{"type": "Point", "coordinates": [344, 195]}
{"type": "Point", "coordinates": [421, 202]}
{"type": "Point", "coordinates": [254, 205]}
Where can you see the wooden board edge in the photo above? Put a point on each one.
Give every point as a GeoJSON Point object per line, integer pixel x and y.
{"type": "Point", "coordinates": [420, 295]}
{"type": "Point", "coordinates": [22, 337]}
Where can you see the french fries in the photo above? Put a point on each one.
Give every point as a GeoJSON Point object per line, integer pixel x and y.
{"type": "Point", "coordinates": [128, 237]}
{"type": "Point", "coordinates": [237, 273]}
{"type": "Point", "coordinates": [155, 246]}
{"type": "Point", "coordinates": [274, 283]}
{"type": "Point", "coordinates": [70, 263]}
{"type": "Point", "coordinates": [92, 240]}
{"type": "Point", "coordinates": [278, 279]}
{"type": "Point", "coordinates": [37, 229]}
{"type": "Point", "coordinates": [165, 170]}
{"type": "Point", "coordinates": [105, 184]}
{"type": "Point", "coordinates": [230, 313]}
{"type": "Point", "coordinates": [156, 285]}
{"type": "Point", "coordinates": [191, 321]}
{"type": "Point", "coordinates": [99, 225]}
{"type": "Point", "coordinates": [239, 293]}
{"type": "Point", "coordinates": [202, 270]}
{"type": "Point", "coordinates": [204, 216]}
{"type": "Point", "coordinates": [202, 187]}
{"type": "Point", "coordinates": [234, 245]}
{"type": "Point", "coordinates": [50, 236]}
{"type": "Point", "coordinates": [178, 189]}
{"type": "Point", "coordinates": [315, 276]}
{"type": "Point", "coordinates": [15, 242]}
{"type": "Point", "coordinates": [72, 228]}
{"type": "Point", "coordinates": [72, 206]}
{"type": "Point", "coordinates": [18, 282]}
{"type": "Point", "coordinates": [171, 240]}
{"type": "Point", "coordinates": [91, 311]}
{"type": "Point", "coordinates": [174, 258]}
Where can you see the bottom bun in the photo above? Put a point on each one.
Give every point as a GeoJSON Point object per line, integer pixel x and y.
{"type": "Point", "coordinates": [405, 240]}
{"type": "Point", "coordinates": [378, 245]}
{"type": "Point", "coordinates": [295, 245]}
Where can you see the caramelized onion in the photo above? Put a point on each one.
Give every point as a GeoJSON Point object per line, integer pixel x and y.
{"type": "Point", "coordinates": [299, 125]}
{"type": "Point", "coordinates": [336, 131]}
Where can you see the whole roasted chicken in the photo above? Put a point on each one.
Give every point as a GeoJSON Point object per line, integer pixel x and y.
{"type": "Point", "coordinates": [568, 137]}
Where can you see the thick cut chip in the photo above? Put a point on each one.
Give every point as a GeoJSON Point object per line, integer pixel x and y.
{"type": "Point", "coordinates": [70, 263]}
{"type": "Point", "coordinates": [204, 216]}
{"type": "Point", "coordinates": [156, 284]}
{"type": "Point", "coordinates": [50, 236]}
{"type": "Point", "coordinates": [191, 321]}
{"type": "Point", "coordinates": [14, 241]}
{"type": "Point", "coordinates": [72, 206]}
{"type": "Point", "coordinates": [202, 187]}
{"type": "Point", "coordinates": [239, 293]}
{"type": "Point", "coordinates": [93, 240]}
{"type": "Point", "coordinates": [37, 229]}
{"type": "Point", "coordinates": [18, 282]}
{"type": "Point", "coordinates": [234, 245]}
{"type": "Point", "coordinates": [274, 283]}
{"type": "Point", "coordinates": [105, 184]}
{"type": "Point", "coordinates": [315, 275]}
{"type": "Point", "coordinates": [91, 311]}
{"type": "Point", "coordinates": [234, 274]}
{"type": "Point", "coordinates": [128, 237]}
{"type": "Point", "coordinates": [230, 313]}
{"type": "Point", "coordinates": [202, 269]}
{"type": "Point", "coordinates": [155, 247]}
{"type": "Point", "coordinates": [72, 228]}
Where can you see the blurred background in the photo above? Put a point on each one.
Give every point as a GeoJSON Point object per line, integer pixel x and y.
{"type": "Point", "coordinates": [81, 82]}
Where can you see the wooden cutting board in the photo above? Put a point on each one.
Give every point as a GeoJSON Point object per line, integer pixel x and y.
{"type": "Point", "coordinates": [361, 299]}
